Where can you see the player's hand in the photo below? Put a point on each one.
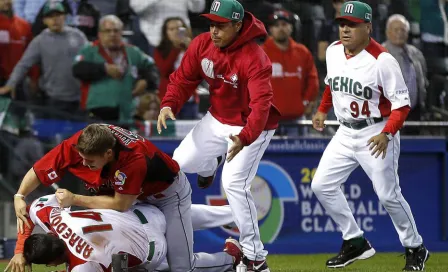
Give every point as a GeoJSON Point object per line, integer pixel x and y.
{"type": "Point", "coordinates": [21, 213]}
{"type": "Point", "coordinates": [18, 263]}
{"type": "Point", "coordinates": [235, 148]}
{"type": "Point", "coordinates": [65, 198]}
{"type": "Point", "coordinates": [318, 121]}
{"type": "Point", "coordinates": [163, 115]}
{"type": "Point", "coordinates": [113, 70]}
{"type": "Point", "coordinates": [379, 145]}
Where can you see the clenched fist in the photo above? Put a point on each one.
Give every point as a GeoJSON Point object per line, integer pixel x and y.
{"type": "Point", "coordinates": [318, 121]}
{"type": "Point", "coordinates": [65, 198]}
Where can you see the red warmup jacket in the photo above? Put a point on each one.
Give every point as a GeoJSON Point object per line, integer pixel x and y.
{"type": "Point", "coordinates": [140, 168]}
{"type": "Point", "coordinates": [15, 35]}
{"type": "Point", "coordinates": [239, 78]}
{"type": "Point", "coordinates": [294, 77]}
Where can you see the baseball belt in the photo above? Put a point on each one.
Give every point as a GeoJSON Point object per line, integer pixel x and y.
{"type": "Point", "coordinates": [363, 123]}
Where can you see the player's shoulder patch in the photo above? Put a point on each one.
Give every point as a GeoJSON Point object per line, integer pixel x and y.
{"type": "Point", "coordinates": [375, 49]}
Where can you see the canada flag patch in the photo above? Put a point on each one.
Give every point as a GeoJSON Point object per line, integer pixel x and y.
{"type": "Point", "coordinates": [52, 174]}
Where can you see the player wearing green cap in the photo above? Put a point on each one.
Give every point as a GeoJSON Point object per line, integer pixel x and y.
{"type": "Point", "coordinates": [371, 101]}
{"type": "Point", "coordinates": [241, 120]}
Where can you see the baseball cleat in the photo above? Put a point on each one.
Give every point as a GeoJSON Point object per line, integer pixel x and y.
{"type": "Point", "coordinates": [205, 182]}
{"type": "Point", "coordinates": [256, 266]}
{"type": "Point", "coordinates": [350, 253]}
{"type": "Point", "coordinates": [416, 258]}
{"type": "Point", "coordinates": [233, 248]}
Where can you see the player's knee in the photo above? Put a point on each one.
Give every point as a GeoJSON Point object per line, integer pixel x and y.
{"type": "Point", "coordinates": [388, 200]}
{"type": "Point", "coordinates": [317, 187]}
{"type": "Point", "coordinates": [230, 185]}
{"type": "Point", "coordinates": [184, 162]}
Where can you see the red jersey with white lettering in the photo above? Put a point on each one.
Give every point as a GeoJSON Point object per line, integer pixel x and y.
{"type": "Point", "coordinates": [93, 236]}
{"type": "Point", "coordinates": [367, 85]}
{"type": "Point", "coordinates": [140, 167]}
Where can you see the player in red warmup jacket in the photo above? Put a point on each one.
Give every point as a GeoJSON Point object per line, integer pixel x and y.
{"type": "Point", "coordinates": [241, 120]}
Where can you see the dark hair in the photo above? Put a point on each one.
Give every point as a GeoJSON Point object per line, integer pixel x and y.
{"type": "Point", "coordinates": [95, 139]}
{"type": "Point", "coordinates": [166, 45]}
{"type": "Point", "coordinates": [43, 249]}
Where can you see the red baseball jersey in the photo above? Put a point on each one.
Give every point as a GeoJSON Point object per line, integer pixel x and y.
{"type": "Point", "coordinates": [140, 167]}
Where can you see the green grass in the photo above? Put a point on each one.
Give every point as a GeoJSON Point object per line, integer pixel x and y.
{"type": "Point", "coordinates": [381, 262]}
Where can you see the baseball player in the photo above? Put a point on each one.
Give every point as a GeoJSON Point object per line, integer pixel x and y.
{"type": "Point", "coordinates": [371, 101]}
{"type": "Point", "coordinates": [87, 239]}
{"type": "Point", "coordinates": [241, 120]}
{"type": "Point", "coordinates": [128, 166]}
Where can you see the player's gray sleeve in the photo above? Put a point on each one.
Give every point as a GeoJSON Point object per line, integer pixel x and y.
{"type": "Point", "coordinates": [391, 80]}
{"type": "Point", "coordinates": [207, 217]}
{"type": "Point", "coordinates": [29, 58]}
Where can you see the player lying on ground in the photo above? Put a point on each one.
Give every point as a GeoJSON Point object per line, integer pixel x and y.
{"type": "Point", "coordinates": [86, 240]}
{"type": "Point", "coordinates": [130, 167]}
{"type": "Point", "coordinates": [371, 101]}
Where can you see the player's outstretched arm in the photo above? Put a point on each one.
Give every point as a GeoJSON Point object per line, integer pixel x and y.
{"type": "Point", "coordinates": [29, 183]}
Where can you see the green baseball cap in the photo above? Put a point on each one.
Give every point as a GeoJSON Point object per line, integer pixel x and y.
{"type": "Point", "coordinates": [357, 12]}
{"type": "Point", "coordinates": [224, 11]}
{"type": "Point", "coordinates": [53, 7]}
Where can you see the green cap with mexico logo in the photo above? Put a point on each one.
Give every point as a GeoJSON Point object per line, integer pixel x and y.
{"type": "Point", "coordinates": [224, 11]}
{"type": "Point", "coordinates": [357, 12]}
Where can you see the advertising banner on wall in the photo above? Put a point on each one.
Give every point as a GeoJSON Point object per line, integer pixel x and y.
{"type": "Point", "coordinates": [292, 220]}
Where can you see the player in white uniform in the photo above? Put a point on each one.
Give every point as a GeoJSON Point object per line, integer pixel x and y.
{"type": "Point", "coordinates": [371, 101]}
{"type": "Point", "coordinates": [87, 239]}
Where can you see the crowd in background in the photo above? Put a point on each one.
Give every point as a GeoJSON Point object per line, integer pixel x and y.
{"type": "Point", "coordinates": [110, 60]}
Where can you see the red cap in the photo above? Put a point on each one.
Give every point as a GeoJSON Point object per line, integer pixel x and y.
{"type": "Point", "coordinates": [351, 19]}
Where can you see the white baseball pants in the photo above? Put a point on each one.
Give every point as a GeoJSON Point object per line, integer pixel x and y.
{"type": "Point", "coordinates": [344, 153]}
{"type": "Point", "coordinates": [197, 153]}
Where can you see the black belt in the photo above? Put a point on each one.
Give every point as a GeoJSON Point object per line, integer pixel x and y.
{"type": "Point", "coordinates": [362, 124]}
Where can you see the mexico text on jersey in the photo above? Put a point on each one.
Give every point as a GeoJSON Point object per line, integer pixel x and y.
{"type": "Point", "coordinates": [367, 85]}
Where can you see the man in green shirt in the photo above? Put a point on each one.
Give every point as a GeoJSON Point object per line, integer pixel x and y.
{"type": "Point", "coordinates": [113, 73]}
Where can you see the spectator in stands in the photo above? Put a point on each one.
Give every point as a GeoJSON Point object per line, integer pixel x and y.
{"type": "Point", "coordinates": [28, 9]}
{"type": "Point", "coordinates": [113, 73]}
{"type": "Point", "coordinates": [330, 31]}
{"type": "Point", "coordinates": [411, 61]}
{"type": "Point", "coordinates": [27, 152]}
{"type": "Point", "coordinates": [294, 76]}
{"type": "Point", "coordinates": [176, 37]}
{"type": "Point", "coordinates": [153, 14]}
{"type": "Point", "coordinates": [15, 36]}
{"type": "Point", "coordinates": [148, 107]}
{"type": "Point", "coordinates": [434, 29]}
{"type": "Point", "coordinates": [79, 14]}
{"type": "Point", "coordinates": [55, 48]}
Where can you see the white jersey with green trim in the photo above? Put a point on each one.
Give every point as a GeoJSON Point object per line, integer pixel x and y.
{"type": "Point", "coordinates": [367, 85]}
{"type": "Point", "coordinates": [95, 235]}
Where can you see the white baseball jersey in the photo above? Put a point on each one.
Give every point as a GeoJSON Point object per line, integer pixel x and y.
{"type": "Point", "coordinates": [367, 85]}
{"type": "Point", "coordinates": [93, 236]}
